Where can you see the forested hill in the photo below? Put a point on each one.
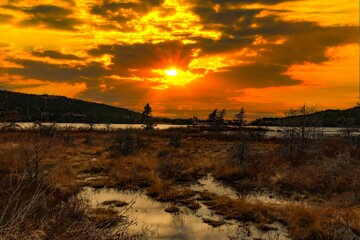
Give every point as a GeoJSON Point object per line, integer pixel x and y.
{"type": "Point", "coordinates": [48, 108]}
{"type": "Point", "coordinates": [328, 118]}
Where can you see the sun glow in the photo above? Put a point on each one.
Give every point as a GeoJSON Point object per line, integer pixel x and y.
{"type": "Point", "coordinates": [171, 72]}
{"type": "Point", "coordinates": [174, 77]}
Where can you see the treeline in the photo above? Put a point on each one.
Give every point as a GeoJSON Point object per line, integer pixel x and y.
{"type": "Point", "coordinates": [328, 118]}
{"type": "Point", "coordinates": [20, 107]}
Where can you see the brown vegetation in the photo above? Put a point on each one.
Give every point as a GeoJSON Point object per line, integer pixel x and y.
{"type": "Point", "coordinates": [38, 210]}
{"type": "Point", "coordinates": [325, 174]}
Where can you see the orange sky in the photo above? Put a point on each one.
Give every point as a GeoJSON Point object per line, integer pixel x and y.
{"type": "Point", "coordinates": [264, 55]}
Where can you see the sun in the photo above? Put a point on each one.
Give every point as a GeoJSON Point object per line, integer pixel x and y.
{"type": "Point", "coordinates": [171, 72]}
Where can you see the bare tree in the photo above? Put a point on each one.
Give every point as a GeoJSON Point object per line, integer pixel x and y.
{"type": "Point", "coordinates": [91, 120]}
{"type": "Point", "coordinates": [302, 124]}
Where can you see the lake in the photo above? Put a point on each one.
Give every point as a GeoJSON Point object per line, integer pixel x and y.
{"type": "Point", "coordinates": [273, 131]}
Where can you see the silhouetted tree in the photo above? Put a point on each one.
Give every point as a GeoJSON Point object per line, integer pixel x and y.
{"type": "Point", "coordinates": [91, 120]}
{"type": "Point", "coordinates": [216, 117]}
{"type": "Point", "coordinates": [147, 118]}
{"type": "Point", "coordinates": [240, 118]}
{"type": "Point", "coordinates": [8, 116]}
{"type": "Point", "coordinates": [194, 121]}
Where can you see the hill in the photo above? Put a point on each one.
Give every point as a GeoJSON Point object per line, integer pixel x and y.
{"type": "Point", "coordinates": [22, 107]}
{"type": "Point", "coordinates": [327, 118]}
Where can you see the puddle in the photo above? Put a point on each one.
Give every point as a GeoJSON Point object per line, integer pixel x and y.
{"type": "Point", "coordinates": [211, 185]}
{"type": "Point", "coordinates": [87, 177]}
{"type": "Point", "coordinates": [267, 197]}
{"type": "Point", "coordinates": [186, 224]}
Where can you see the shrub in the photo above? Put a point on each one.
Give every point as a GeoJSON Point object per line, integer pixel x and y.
{"type": "Point", "coordinates": [126, 143]}
{"type": "Point", "coordinates": [38, 210]}
{"type": "Point", "coordinates": [240, 153]}
{"type": "Point", "coordinates": [175, 140]}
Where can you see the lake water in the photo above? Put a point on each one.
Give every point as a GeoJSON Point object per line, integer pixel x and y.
{"type": "Point", "coordinates": [273, 131]}
{"type": "Point", "coordinates": [100, 126]}
{"type": "Point", "coordinates": [276, 131]}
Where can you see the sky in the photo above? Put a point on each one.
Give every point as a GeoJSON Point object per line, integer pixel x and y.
{"type": "Point", "coordinates": [185, 57]}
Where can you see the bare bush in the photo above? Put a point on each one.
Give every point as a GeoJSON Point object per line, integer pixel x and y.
{"type": "Point", "coordinates": [175, 140]}
{"type": "Point", "coordinates": [240, 153]}
{"type": "Point", "coordinates": [301, 125]}
{"type": "Point", "coordinates": [257, 134]}
{"type": "Point", "coordinates": [36, 145]}
{"type": "Point", "coordinates": [38, 210]}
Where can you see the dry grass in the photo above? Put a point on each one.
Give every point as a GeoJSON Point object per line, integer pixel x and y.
{"type": "Point", "coordinates": [302, 221]}
{"type": "Point", "coordinates": [326, 174]}
{"type": "Point", "coordinates": [38, 210]}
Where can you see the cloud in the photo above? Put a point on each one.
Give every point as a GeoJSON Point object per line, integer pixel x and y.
{"type": "Point", "coordinates": [238, 2]}
{"type": "Point", "coordinates": [310, 45]}
{"type": "Point", "coordinates": [124, 92]}
{"type": "Point", "coordinates": [225, 16]}
{"type": "Point", "coordinates": [125, 10]}
{"type": "Point", "coordinates": [55, 55]}
{"type": "Point", "coordinates": [4, 18]}
{"type": "Point", "coordinates": [127, 58]}
{"type": "Point", "coordinates": [47, 16]}
{"type": "Point", "coordinates": [257, 75]}
{"type": "Point", "coordinates": [57, 72]}
{"type": "Point", "coordinates": [302, 41]}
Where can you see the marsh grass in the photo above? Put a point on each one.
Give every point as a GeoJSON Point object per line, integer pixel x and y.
{"type": "Point", "coordinates": [38, 210]}
{"type": "Point", "coordinates": [326, 174]}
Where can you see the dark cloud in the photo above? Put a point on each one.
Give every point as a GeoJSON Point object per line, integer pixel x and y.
{"type": "Point", "coordinates": [257, 75]}
{"type": "Point", "coordinates": [9, 6]}
{"type": "Point", "coordinates": [223, 45]}
{"type": "Point", "coordinates": [4, 18]}
{"type": "Point", "coordinates": [14, 87]}
{"type": "Point", "coordinates": [47, 11]}
{"type": "Point", "coordinates": [237, 2]}
{"type": "Point", "coordinates": [134, 9]}
{"type": "Point", "coordinates": [145, 56]}
{"type": "Point", "coordinates": [266, 2]}
{"type": "Point", "coordinates": [305, 41]}
{"type": "Point", "coordinates": [126, 92]}
{"type": "Point", "coordinates": [225, 16]}
{"type": "Point", "coordinates": [49, 16]}
{"type": "Point", "coordinates": [55, 55]}
{"type": "Point", "coordinates": [56, 72]}
{"type": "Point", "coordinates": [55, 23]}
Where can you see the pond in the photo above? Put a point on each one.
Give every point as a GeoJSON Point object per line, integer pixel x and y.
{"type": "Point", "coordinates": [150, 214]}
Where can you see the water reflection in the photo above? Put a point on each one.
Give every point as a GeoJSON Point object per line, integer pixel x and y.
{"type": "Point", "coordinates": [187, 224]}
{"type": "Point", "coordinates": [209, 184]}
